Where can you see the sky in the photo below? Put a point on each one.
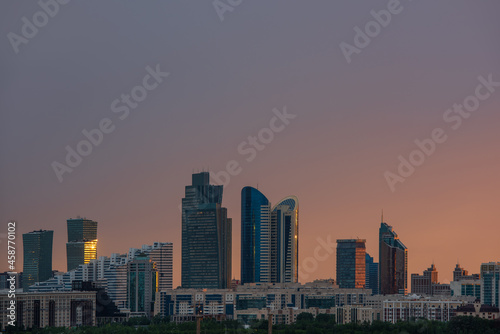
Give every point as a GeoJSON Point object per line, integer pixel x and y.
{"type": "Point", "coordinates": [333, 101]}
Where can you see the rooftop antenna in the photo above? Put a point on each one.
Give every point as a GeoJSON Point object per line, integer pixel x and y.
{"type": "Point", "coordinates": [382, 216]}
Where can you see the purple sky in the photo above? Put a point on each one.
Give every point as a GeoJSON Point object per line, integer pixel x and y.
{"type": "Point", "coordinates": [353, 120]}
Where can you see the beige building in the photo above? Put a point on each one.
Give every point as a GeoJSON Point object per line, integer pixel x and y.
{"type": "Point", "coordinates": [415, 307]}
{"type": "Point", "coordinates": [480, 311]}
{"type": "Point", "coordinates": [54, 309]}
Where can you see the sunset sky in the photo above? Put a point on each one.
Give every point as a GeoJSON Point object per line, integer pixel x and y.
{"type": "Point", "coordinates": [352, 122]}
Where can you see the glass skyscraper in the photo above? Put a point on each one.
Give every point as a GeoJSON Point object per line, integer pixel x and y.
{"type": "Point", "coordinates": [206, 236]}
{"type": "Point", "coordinates": [490, 283]}
{"type": "Point", "coordinates": [82, 242]}
{"type": "Point", "coordinates": [269, 238]}
{"type": "Point", "coordinates": [142, 285]}
{"type": "Point", "coordinates": [371, 275]}
{"type": "Point", "coordinates": [37, 265]}
{"type": "Point", "coordinates": [393, 262]}
{"type": "Point", "coordinates": [255, 236]}
{"type": "Point", "coordinates": [285, 241]}
{"type": "Point", "coordinates": [351, 263]}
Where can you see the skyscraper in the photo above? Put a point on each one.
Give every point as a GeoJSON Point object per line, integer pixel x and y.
{"type": "Point", "coordinates": [393, 262]}
{"type": "Point", "coordinates": [371, 275]}
{"type": "Point", "coordinates": [351, 265]}
{"type": "Point", "coordinates": [206, 236]}
{"type": "Point", "coordinates": [142, 285]}
{"type": "Point", "coordinates": [255, 236]}
{"type": "Point", "coordinates": [269, 238]}
{"type": "Point", "coordinates": [285, 241]}
{"type": "Point", "coordinates": [490, 283]}
{"type": "Point", "coordinates": [37, 265]}
{"type": "Point", "coordinates": [82, 242]}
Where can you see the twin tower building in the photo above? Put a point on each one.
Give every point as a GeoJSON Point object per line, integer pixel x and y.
{"type": "Point", "coordinates": [269, 237]}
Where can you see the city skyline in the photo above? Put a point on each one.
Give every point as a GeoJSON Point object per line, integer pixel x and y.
{"type": "Point", "coordinates": [265, 98]}
{"type": "Point", "coordinates": [214, 192]}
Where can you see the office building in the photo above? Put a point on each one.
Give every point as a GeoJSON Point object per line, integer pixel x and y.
{"type": "Point", "coordinates": [490, 283]}
{"type": "Point", "coordinates": [285, 241]}
{"type": "Point", "coordinates": [371, 281]}
{"type": "Point", "coordinates": [460, 273]}
{"type": "Point", "coordinates": [393, 262]}
{"type": "Point", "coordinates": [142, 285]}
{"type": "Point", "coordinates": [37, 264]}
{"type": "Point", "coordinates": [422, 284]}
{"type": "Point", "coordinates": [269, 238]}
{"type": "Point", "coordinates": [255, 237]}
{"type": "Point", "coordinates": [82, 242]}
{"type": "Point", "coordinates": [351, 263]}
{"type": "Point", "coordinates": [206, 236]}
{"type": "Point", "coordinates": [254, 301]}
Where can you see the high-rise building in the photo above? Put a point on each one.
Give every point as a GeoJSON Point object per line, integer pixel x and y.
{"type": "Point", "coordinates": [490, 283]}
{"type": "Point", "coordinates": [142, 285]}
{"type": "Point", "coordinates": [255, 237]}
{"type": "Point", "coordinates": [82, 242]}
{"type": "Point", "coordinates": [423, 284]}
{"type": "Point", "coordinates": [161, 253]}
{"type": "Point", "coordinates": [371, 275]}
{"type": "Point", "coordinates": [351, 263]}
{"type": "Point", "coordinates": [285, 241]}
{"type": "Point", "coordinates": [393, 262]}
{"type": "Point", "coordinates": [206, 236]}
{"type": "Point", "coordinates": [37, 265]}
{"type": "Point", "coordinates": [269, 238]}
{"type": "Point", "coordinates": [460, 274]}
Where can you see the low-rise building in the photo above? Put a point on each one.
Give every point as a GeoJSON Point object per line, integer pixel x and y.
{"type": "Point", "coordinates": [53, 309]}
{"type": "Point", "coordinates": [478, 310]}
{"type": "Point", "coordinates": [417, 307]}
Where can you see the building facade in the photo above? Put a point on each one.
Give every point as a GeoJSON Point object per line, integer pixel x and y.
{"type": "Point", "coordinates": [269, 238]}
{"type": "Point", "coordinates": [430, 308]}
{"type": "Point", "coordinates": [371, 281]}
{"type": "Point", "coordinates": [254, 301]}
{"type": "Point", "coordinates": [285, 241]}
{"type": "Point", "coordinates": [351, 263]}
{"type": "Point", "coordinates": [37, 254]}
{"type": "Point", "coordinates": [423, 284]}
{"type": "Point", "coordinates": [206, 236]}
{"type": "Point", "coordinates": [142, 285]}
{"type": "Point", "coordinates": [82, 242]}
{"type": "Point", "coordinates": [53, 309]}
{"type": "Point", "coordinates": [490, 283]}
{"type": "Point", "coordinates": [255, 237]}
{"type": "Point", "coordinates": [393, 262]}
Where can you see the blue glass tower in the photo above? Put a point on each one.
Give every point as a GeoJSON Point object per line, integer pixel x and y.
{"type": "Point", "coordinates": [255, 236]}
{"type": "Point", "coordinates": [37, 265]}
{"type": "Point", "coordinates": [371, 274]}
